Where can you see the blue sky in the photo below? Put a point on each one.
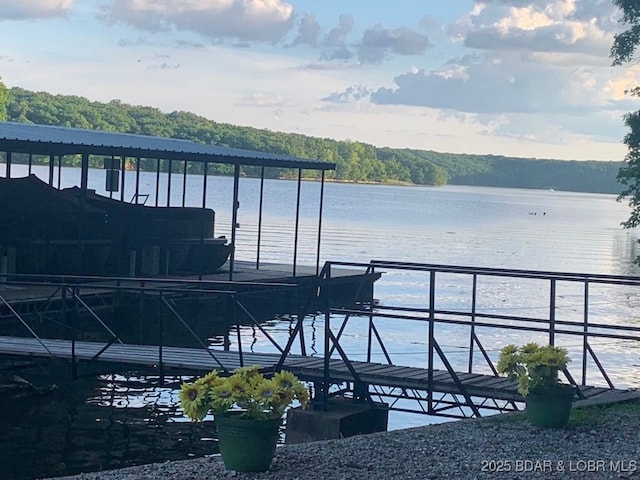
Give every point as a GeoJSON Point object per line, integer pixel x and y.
{"type": "Point", "coordinates": [512, 77]}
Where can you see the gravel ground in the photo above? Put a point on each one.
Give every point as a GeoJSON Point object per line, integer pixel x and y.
{"type": "Point", "coordinates": [599, 443]}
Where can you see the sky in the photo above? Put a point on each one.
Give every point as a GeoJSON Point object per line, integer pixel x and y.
{"type": "Point", "coordinates": [527, 78]}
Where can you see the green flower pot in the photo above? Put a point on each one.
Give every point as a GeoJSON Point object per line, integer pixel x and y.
{"type": "Point", "coordinates": [550, 406]}
{"type": "Point", "coordinates": [247, 445]}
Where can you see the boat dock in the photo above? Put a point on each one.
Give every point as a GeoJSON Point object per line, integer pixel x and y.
{"type": "Point", "coordinates": [88, 279]}
{"type": "Point", "coordinates": [440, 384]}
{"type": "Point", "coordinates": [191, 361]}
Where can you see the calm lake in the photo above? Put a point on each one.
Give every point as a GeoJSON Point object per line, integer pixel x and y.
{"type": "Point", "coordinates": [121, 420]}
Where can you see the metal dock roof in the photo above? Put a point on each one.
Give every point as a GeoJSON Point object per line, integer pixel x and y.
{"type": "Point", "coordinates": [54, 140]}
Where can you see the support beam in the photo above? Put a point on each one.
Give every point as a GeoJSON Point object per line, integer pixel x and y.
{"type": "Point", "coordinates": [260, 218]}
{"type": "Point", "coordinates": [84, 173]}
{"type": "Point", "coordinates": [320, 223]}
{"type": "Point", "coordinates": [52, 163]}
{"type": "Point", "coordinates": [234, 218]}
{"type": "Point", "coordinates": [8, 166]}
{"type": "Point", "coordinates": [295, 240]}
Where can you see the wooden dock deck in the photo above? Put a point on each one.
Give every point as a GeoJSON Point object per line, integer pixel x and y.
{"type": "Point", "coordinates": [197, 361]}
{"type": "Point", "coordinates": [415, 378]}
{"type": "Point", "coordinates": [17, 289]}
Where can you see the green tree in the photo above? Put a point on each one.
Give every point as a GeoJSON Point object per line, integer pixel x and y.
{"type": "Point", "coordinates": [4, 101]}
{"type": "Point", "coordinates": [356, 161]}
{"type": "Point", "coordinates": [623, 51]}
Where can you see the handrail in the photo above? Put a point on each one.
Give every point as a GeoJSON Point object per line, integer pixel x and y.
{"type": "Point", "coordinates": [549, 322]}
{"type": "Point", "coordinates": [17, 315]}
{"type": "Point", "coordinates": [77, 286]}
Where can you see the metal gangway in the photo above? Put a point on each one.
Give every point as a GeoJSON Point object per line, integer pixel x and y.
{"type": "Point", "coordinates": [432, 352]}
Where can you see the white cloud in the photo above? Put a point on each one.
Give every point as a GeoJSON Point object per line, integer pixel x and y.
{"type": "Point", "coordinates": [379, 43]}
{"type": "Point", "coordinates": [336, 40]}
{"type": "Point", "coordinates": [503, 83]}
{"type": "Point", "coordinates": [558, 129]}
{"type": "Point", "coordinates": [262, 99]}
{"type": "Point", "coordinates": [350, 94]}
{"type": "Point", "coordinates": [308, 31]}
{"type": "Point", "coordinates": [488, 86]}
{"type": "Point", "coordinates": [328, 66]}
{"type": "Point", "coordinates": [25, 9]}
{"type": "Point", "coordinates": [583, 27]}
{"type": "Point", "coordinates": [338, 36]}
{"type": "Point", "coordinates": [531, 70]}
{"type": "Point", "coordinates": [245, 20]}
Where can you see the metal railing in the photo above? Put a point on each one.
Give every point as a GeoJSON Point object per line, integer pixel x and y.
{"type": "Point", "coordinates": [466, 315]}
{"type": "Point", "coordinates": [70, 295]}
{"type": "Point", "coordinates": [477, 330]}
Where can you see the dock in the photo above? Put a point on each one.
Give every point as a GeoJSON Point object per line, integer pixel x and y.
{"type": "Point", "coordinates": [110, 281]}
{"type": "Point", "coordinates": [437, 385]}
{"type": "Point", "coordinates": [310, 369]}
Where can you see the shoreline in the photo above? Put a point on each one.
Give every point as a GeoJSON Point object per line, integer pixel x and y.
{"type": "Point", "coordinates": [600, 442]}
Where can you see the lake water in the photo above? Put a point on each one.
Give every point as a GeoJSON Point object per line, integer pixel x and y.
{"type": "Point", "coordinates": [450, 225]}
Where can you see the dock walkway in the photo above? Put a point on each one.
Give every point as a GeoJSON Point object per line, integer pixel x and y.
{"type": "Point", "coordinates": [307, 368]}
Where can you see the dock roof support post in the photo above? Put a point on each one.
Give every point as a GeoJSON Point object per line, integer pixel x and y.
{"type": "Point", "coordinates": [234, 218]}
{"type": "Point", "coordinates": [205, 171]}
{"type": "Point", "coordinates": [84, 173]}
{"type": "Point", "coordinates": [123, 170]}
{"type": "Point", "coordinates": [7, 171]}
{"type": "Point", "coordinates": [295, 240]}
{"type": "Point", "coordinates": [137, 179]}
{"type": "Point", "coordinates": [59, 171]}
{"type": "Point", "coordinates": [169, 183]}
{"type": "Point", "coordinates": [157, 181]}
{"type": "Point", "coordinates": [30, 162]}
{"type": "Point", "coordinates": [52, 160]}
{"type": "Point", "coordinates": [320, 223]}
{"type": "Point", "coordinates": [204, 185]}
{"type": "Point", "coordinates": [260, 218]}
{"type": "Point", "coordinates": [184, 183]}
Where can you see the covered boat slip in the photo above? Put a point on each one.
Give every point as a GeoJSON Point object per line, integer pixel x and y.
{"type": "Point", "coordinates": [97, 235]}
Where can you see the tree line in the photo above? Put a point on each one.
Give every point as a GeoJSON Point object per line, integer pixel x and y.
{"type": "Point", "coordinates": [356, 161]}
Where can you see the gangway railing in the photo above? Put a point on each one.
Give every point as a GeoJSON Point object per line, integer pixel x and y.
{"type": "Point", "coordinates": [464, 316]}
{"type": "Point", "coordinates": [72, 294]}
{"type": "Point", "coordinates": [569, 315]}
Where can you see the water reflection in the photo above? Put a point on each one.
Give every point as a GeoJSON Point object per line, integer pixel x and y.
{"type": "Point", "coordinates": [101, 423]}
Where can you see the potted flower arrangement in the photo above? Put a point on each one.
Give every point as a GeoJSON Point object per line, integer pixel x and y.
{"type": "Point", "coordinates": [247, 409]}
{"type": "Point", "coordinates": [535, 368]}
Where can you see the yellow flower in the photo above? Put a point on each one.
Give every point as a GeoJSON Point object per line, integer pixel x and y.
{"type": "Point", "coordinates": [265, 392]}
{"type": "Point", "coordinates": [222, 397]}
{"type": "Point", "coordinates": [247, 371]}
{"type": "Point", "coordinates": [302, 394]}
{"type": "Point", "coordinates": [285, 380]}
{"type": "Point", "coordinates": [246, 391]}
{"type": "Point", "coordinates": [192, 400]}
{"type": "Point", "coordinates": [238, 386]}
{"type": "Point", "coordinates": [285, 397]}
{"type": "Point", "coordinates": [210, 380]}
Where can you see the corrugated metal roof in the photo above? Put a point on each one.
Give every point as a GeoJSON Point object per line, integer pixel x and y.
{"type": "Point", "coordinates": [53, 140]}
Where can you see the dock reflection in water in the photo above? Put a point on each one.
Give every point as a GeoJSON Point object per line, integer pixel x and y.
{"type": "Point", "coordinates": [103, 423]}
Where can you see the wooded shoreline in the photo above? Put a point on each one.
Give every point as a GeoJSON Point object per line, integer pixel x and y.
{"type": "Point", "coordinates": [356, 161]}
